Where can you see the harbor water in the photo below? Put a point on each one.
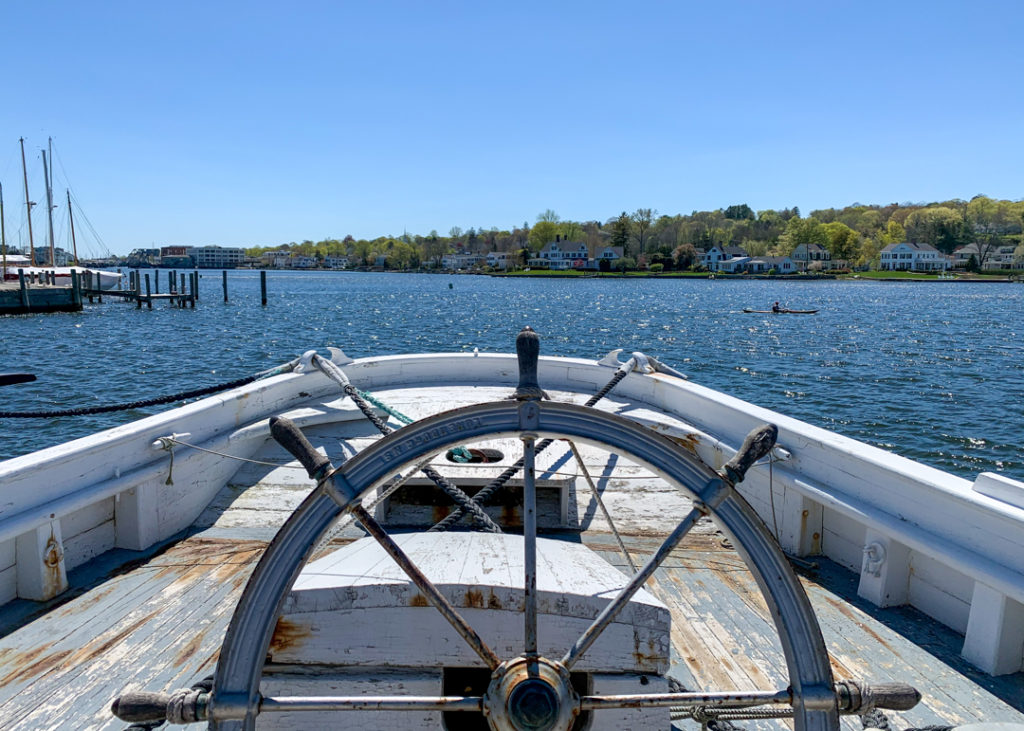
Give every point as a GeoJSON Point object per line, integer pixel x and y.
{"type": "Point", "coordinates": [933, 371]}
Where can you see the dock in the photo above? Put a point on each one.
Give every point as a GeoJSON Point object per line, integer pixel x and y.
{"type": "Point", "coordinates": [32, 294]}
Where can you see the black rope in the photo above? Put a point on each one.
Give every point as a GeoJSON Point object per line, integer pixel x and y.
{"type": "Point", "coordinates": [490, 488]}
{"type": "Point", "coordinates": [464, 501]}
{"type": "Point", "coordinates": [133, 405]}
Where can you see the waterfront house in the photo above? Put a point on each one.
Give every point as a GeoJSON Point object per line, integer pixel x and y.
{"type": "Point", "coordinates": [502, 260]}
{"type": "Point", "coordinates": [999, 256]}
{"type": "Point", "coordinates": [714, 258]}
{"type": "Point", "coordinates": [912, 257]}
{"type": "Point", "coordinates": [610, 254]}
{"type": "Point", "coordinates": [804, 254]}
{"type": "Point", "coordinates": [765, 264]}
{"type": "Point", "coordinates": [454, 262]}
{"type": "Point", "coordinates": [559, 254]}
{"type": "Point", "coordinates": [336, 262]}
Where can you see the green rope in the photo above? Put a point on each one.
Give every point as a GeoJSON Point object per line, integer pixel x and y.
{"type": "Point", "coordinates": [385, 408]}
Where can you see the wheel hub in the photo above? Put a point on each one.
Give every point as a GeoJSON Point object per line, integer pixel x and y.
{"type": "Point", "coordinates": [530, 694]}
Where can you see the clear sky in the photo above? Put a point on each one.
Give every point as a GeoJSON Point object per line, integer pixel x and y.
{"type": "Point", "coordinates": [257, 123]}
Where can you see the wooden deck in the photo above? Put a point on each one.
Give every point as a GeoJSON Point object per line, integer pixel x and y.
{"type": "Point", "coordinates": [155, 621]}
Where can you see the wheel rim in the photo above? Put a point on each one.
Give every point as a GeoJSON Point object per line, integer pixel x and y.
{"type": "Point", "coordinates": [235, 696]}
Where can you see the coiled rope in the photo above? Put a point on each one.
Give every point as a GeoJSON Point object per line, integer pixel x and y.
{"type": "Point", "coordinates": [153, 401]}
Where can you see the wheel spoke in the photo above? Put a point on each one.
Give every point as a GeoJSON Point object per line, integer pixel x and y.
{"type": "Point", "coordinates": [714, 492]}
{"type": "Point", "coordinates": [530, 545]}
{"type": "Point", "coordinates": [424, 584]}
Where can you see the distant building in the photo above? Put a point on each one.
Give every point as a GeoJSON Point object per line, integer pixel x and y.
{"type": "Point", "coordinates": [804, 254]}
{"type": "Point", "coordinates": [610, 254]}
{"type": "Point", "coordinates": [911, 257]}
{"type": "Point", "coordinates": [336, 262]}
{"type": "Point", "coordinates": [559, 254]}
{"type": "Point", "coordinates": [765, 264]}
{"type": "Point", "coordinates": [143, 258]}
{"type": "Point", "coordinates": [715, 258]}
{"type": "Point", "coordinates": [217, 257]}
{"type": "Point", "coordinates": [62, 258]}
{"type": "Point", "coordinates": [454, 262]}
{"type": "Point", "coordinates": [996, 257]}
{"type": "Point", "coordinates": [502, 260]}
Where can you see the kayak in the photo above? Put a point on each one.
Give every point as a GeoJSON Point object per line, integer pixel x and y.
{"type": "Point", "coordinates": [780, 312]}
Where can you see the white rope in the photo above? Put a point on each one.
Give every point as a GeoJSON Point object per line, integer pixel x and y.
{"type": "Point", "coordinates": [600, 504]}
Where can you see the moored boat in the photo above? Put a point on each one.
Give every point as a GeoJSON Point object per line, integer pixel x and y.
{"type": "Point", "coordinates": [635, 572]}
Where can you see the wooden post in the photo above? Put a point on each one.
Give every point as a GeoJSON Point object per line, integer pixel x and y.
{"type": "Point", "coordinates": [171, 278]}
{"type": "Point", "coordinates": [195, 285]}
{"type": "Point", "coordinates": [156, 279]}
{"type": "Point", "coordinates": [183, 293]}
{"type": "Point", "coordinates": [224, 283]}
{"type": "Point", "coordinates": [23, 285]}
{"type": "Point", "coordinates": [138, 290]}
{"type": "Point", "coordinates": [149, 298]}
{"type": "Point", "coordinates": [263, 286]}
{"type": "Point", "coordinates": [76, 289]}
{"type": "Point", "coordinates": [99, 288]}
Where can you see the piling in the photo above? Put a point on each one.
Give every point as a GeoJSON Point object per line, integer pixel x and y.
{"type": "Point", "coordinates": [99, 288]}
{"type": "Point", "coordinates": [195, 286]}
{"type": "Point", "coordinates": [182, 292]}
{"type": "Point", "coordinates": [263, 286]}
{"type": "Point", "coordinates": [149, 300]}
{"type": "Point", "coordinates": [76, 289]}
{"type": "Point", "coordinates": [224, 283]}
{"type": "Point", "coordinates": [24, 288]}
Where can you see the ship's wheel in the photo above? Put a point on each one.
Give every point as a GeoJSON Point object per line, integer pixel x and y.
{"type": "Point", "coordinates": [528, 692]}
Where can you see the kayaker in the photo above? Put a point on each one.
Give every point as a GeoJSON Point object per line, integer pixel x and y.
{"type": "Point", "coordinates": [776, 308]}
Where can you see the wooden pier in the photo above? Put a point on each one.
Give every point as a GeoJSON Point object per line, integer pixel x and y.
{"type": "Point", "coordinates": [40, 294]}
{"type": "Point", "coordinates": [34, 293]}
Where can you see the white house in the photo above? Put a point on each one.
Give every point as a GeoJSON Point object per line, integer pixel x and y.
{"type": "Point", "coordinates": [996, 257]}
{"type": "Point", "coordinates": [907, 256]}
{"type": "Point", "coordinates": [765, 264]}
{"type": "Point", "coordinates": [559, 254]}
{"type": "Point", "coordinates": [610, 254]}
{"type": "Point", "coordinates": [804, 254]}
{"type": "Point", "coordinates": [461, 261]}
{"type": "Point", "coordinates": [713, 258]}
{"type": "Point", "coordinates": [336, 262]}
{"type": "Point", "coordinates": [502, 259]}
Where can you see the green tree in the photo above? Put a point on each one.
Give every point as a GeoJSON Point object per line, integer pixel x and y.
{"type": "Point", "coordinates": [621, 232]}
{"type": "Point", "coordinates": [801, 231]}
{"type": "Point", "coordinates": [642, 217]}
{"type": "Point", "coordinates": [842, 242]}
{"type": "Point", "coordinates": [741, 212]}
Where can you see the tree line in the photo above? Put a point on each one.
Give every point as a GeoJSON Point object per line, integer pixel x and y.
{"type": "Point", "coordinates": [854, 235]}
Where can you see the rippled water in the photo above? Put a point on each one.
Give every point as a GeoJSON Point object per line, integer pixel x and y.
{"type": "Point", "coordinates": [933, 371]}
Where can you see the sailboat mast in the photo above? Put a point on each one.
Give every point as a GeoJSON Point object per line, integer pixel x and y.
{"type": "Point", "coordinates": [28, 206]}
{"type": "Point", "coordinates": [3, 235]}
{"type": "Point", "coordinates": [49, 207]}
{"type": "Point", "coordinates": [71, 220]}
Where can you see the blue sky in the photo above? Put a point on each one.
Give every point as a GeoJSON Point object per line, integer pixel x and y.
{"type": "Point", "coordinates": [255, 123]}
